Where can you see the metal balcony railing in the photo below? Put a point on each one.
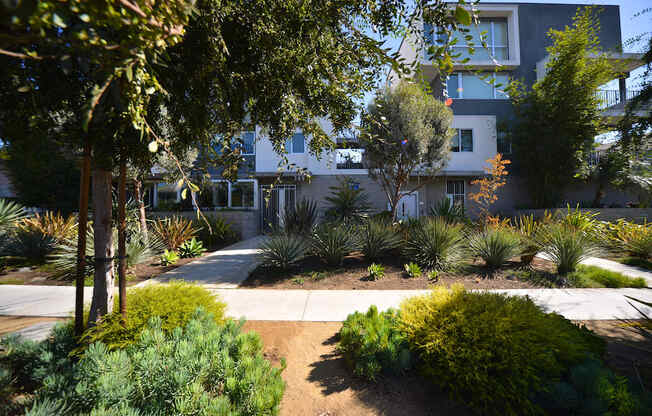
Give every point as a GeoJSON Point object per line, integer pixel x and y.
{"type": "Point", "coordinates": [609, 98]}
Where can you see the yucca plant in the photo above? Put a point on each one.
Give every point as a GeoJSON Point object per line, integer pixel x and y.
{"type": "Point", "coordinates": [300, 219]}
{"type": "Point", "coordinates": [191, 248]}
{"type": "Point", "coordinates": [283, 251]}
{"type": "Point", "coordinates": [377, 239]}
{"type": "Point", "coordinates": [331, 243]}
{"type": "Point", "coordinates": [174, 231]}
{"type": "Point", "coordinates": [448, 211]}
{"type": "Point", "coordinates": [566, 246]}
{"type": "Point", "coordinates": [436, 245]}
{"type": "Point", "coordinates": [495, 246]}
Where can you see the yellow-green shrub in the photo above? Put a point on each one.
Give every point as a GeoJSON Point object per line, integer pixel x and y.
{"type": "Point", "coordinates": [490, 350]}
{"type": "Point", "coordinates": [175, 303]}
{"type": "Point", "coordinates": [634, 239]}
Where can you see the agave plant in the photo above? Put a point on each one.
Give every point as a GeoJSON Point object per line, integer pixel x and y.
{"type": "Point", "coordinates": [377, 239]}
{"type": "Point", "coordinates": [174, 231]}
{"type": "Point", "coordinates": [448, 211]}
{"type": "Point", "coordinates": [300, 219]}
{"type": "Point", "coordinates": [283, 251]}
{"type": "Point", "coordinates": [494, 245]}
{"type": "Point", "coordinates": [566, 246]}
{"type": "Point", "coordinates": [191, 248]}
{"type": "Point", "coordinates": [436, 245]}
{"type": "Point", "coordinates": [331, 243]}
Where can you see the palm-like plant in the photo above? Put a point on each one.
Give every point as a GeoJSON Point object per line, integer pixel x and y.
{"type": "Point", "coordinates": [566, 246]}
{"type": "Point", "coordinates": [448, 211]}
{"type": "Point", "coordinates": [300, 219]}
{"type": "Point", "coordinates": [347, 202]}
{"type": "Point", "coordinates": [436, 244]}
{"type": "Point", "coordinates": [331, 243]}
{"type": "Point", "coordinates": [283, 251]}
{"type": "Point", "coordinates": [494, 245]}
{"type": "Point", "coordinates": [10, 213]}
{"type": "Point", "coordinates": [377, 239]}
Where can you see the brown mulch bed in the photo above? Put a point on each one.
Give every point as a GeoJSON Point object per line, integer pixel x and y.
{"type": "Point", "coordinates": [311, 274]}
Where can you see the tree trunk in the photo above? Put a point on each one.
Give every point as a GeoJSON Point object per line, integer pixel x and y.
{"type": "Point", "coordinates": [138, 191]}
{"type": "Point", "coordinates": [102, 302]}
{"type": "Point", "coordinates": [81, 240]}
{"type": "Point", "coordinates": [122, 239]}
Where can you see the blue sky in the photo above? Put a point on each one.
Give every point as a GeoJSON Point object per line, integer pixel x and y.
{"type": "Point", "coordinates": [630, 26]}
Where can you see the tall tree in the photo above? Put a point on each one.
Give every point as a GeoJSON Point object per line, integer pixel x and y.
{"type": "Point", "coordinates": [406, 135]}
{"type": "Point", "coordinates": [559, 117]}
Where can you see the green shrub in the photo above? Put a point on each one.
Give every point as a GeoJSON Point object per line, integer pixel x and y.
{"type": "Point", "coordinates": [496, 246]}
{"type": "Point", "coordinates": [347, 202]}
{"type": "Point", "coordinates": [412, 270]}
{"type": "Point", "coordinates": [577, 220]}
{"type": "Point", "coordinates": [169, 257]}
{"type": "Point", "coordinates": [371, 345]}
{"type": "Point", "coordinates": [566, 247]}
{"type": "Point", "coordinates": [376, 271]}
{"type": "Point", "coordinates": [174, 303]}
{"type": "Point", "coordinates": [214, 231]}
{"type": "Point", "coordinates": [492, 351]}
{"type": "Point", "coordinates": [300, 219]}
{"type": "Point", "coordinates": [283, 251]}
{"type": "Point", "coordinates": [10, 213]}
{"type": "Point", "coordinates": [526, 228]}
{"type": "Point", "coordinates": [331, 243]}
{"type": "Point", "coordinates": [633, 239]}
{"type": "Point", "coordinates": [377, 239]}
{"type": "Point", "coordinates": [174, 231]}
{"type": "Point", "coordinates": [435, 244]}
{"type": "Point", "coordinates": [32, 245]}
{"type": "Point", "coordinates": [448, 211]}
{"type": "Point", "coordinates": [591, 389]}
{"type": "Point", "coordinates": [191, 248]}
{"type": "Point", "coordinates": [199, 369]}
{"type": "Point", "coordinates": [593, 276]}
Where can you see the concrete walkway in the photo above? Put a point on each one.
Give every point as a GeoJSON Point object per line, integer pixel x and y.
{"type": "Point", "coordinates": [222, 269]}
{"type": "Point", "coordinates": [335, 305]}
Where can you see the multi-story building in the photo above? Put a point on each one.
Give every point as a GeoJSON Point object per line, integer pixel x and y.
{"type": "Point", "coordinates": [517, 39]}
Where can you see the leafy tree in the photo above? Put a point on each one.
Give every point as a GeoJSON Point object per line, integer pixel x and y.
{"type": "Point", "coordinates": [558, 119]}
{"type": "Point", "coordinates": [406, 134]}
{"type": "Point", "coordinates": [496, 178]}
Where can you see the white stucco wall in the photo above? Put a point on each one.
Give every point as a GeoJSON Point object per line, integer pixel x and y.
{"type": "Point", "coordinates": [484, 144]}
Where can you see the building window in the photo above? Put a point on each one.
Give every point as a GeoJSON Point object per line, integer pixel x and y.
{"type": "Point", "coordinates": [295, 144]}
{"type": "Point", "coordinates": [246, 142]}
{"type": "Point", "coordinates": [471, 86]}
{"type": "Point", "coordinates": [240, 194]}
{"type": "Point", "coordinates": [166, 193]}
{"type": "Point", "coordinates": [504, 144]}
{"type": "Point", "coordinates": [349, 158]}
{"type": "Point", "coordinates": [455, 192]}
{"type": "Point", "coordinates": [493, 31]}
{"type": "Point", "coordinates": [462, 141]}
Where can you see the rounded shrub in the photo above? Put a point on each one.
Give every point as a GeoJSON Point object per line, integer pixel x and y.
{"type": "Point", "coordinates": [566, 246]}
{"type": "Point", "coordinates": [201, 368]}
{"type": "Point", "coordinates": [435, 244]}
{"type": "Point", "coordinates": [332, 242]}
{"type": "Point", "coordinates": [283, 251]}
{"type": "Point", "coordinates": [174, 303]}
{"type": "Point", "coordinates": [378, 239]}
{"type": "Point", "coordinates": [371, 344]}
{"type": "Point", "coordinates": [495, 246]}
{"type": "Point", "coordinates": [490, 350]}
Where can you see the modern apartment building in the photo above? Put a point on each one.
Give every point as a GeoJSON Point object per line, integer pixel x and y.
{"type": "Point", "coordinates": [517, 38]}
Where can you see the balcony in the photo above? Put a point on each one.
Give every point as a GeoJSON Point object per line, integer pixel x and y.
{"type": "Point", "coordinates": [349, 158]}
{"type": "Point", "coordinates": [611, 98]}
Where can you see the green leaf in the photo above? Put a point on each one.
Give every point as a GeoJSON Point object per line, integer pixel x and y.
{"type": "Point", "coordinates": [84, 18]}
{"type": "Point", "coordinates": [184, 193]}
{"type": "Point", "coordinates": [129, 73]}
{"type": "Point", "coordinates": [462, 15]}
{"type": "Point", "coordinates": [58, 21]}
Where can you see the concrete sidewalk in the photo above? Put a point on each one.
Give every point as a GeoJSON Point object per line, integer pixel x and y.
{"type": "Point", "coordinates": [222, 269]}
{"type": "Point", "coordinates": [52, 301]}
{"type": "Point", "coordinates": [335, 305]}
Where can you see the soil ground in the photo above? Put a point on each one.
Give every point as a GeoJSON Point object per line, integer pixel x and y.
{"type": "Point", "coordinates": [353, 274]}
{"type": "Point", "coordinates": [14, 323]}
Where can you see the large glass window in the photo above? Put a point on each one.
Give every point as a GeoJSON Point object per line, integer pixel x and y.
{"type": "Point", "coordinates": [240, 194]}
{"type": "Point", "coordinates": [462, 141]}
{"type": "Point", "coordinates": [295, 144]}
{"type": "Point", "coordinates": [479, 87]}
{"type": "Point", "coordinates": [166, 192]}
{"type": "Point", "coordinates": [494, 33]}
{"type": "Point", "coordinates": [221, 194]}
{"type": "Point", "coordinates": [248, 143]}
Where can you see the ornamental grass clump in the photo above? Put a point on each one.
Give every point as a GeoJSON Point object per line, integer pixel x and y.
{"type": "Point", "coordinates": [200, 368]}
{"type": "Point", "coordinates": [634, 239]}
{"type": "Point", "coordinates": [566, 246]}
{"type": "Point", "coordinates": [174, 231]}
{"type": "Point", "coordinates": [371, 344]}
{"type": "Point", "coordinates": [496, 246]}
{"type": "Point", "coordinates": [283, 251]}
{"type": "Point", "coordinates": [300, 219]}
{"type": "Point", "coordinates": [490, 350]}
{"type": "Point", "coordinates": [332, 242]}
{"type": "Point", "coordinates": [436, 244]}
{"type": "Point", "coordinates": [378, 239]}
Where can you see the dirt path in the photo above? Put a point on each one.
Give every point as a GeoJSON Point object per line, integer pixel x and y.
{"type": "Point", "coordinates": [318, 383]}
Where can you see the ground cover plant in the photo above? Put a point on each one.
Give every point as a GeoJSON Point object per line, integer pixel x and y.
{"type": "Point", "coordinates": [593, 276]}
{"type": "Point", "coordinates": [498, 354]}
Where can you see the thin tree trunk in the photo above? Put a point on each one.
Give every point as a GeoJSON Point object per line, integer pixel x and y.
{"type": "Point", "coordinates": [102, 302]}
{"type": "Point", "coordinates": [122, 239]}
{"type": "Point", "coordinates": [81, 239]}
{"type": "Point", "coordinates": [138, 191]}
